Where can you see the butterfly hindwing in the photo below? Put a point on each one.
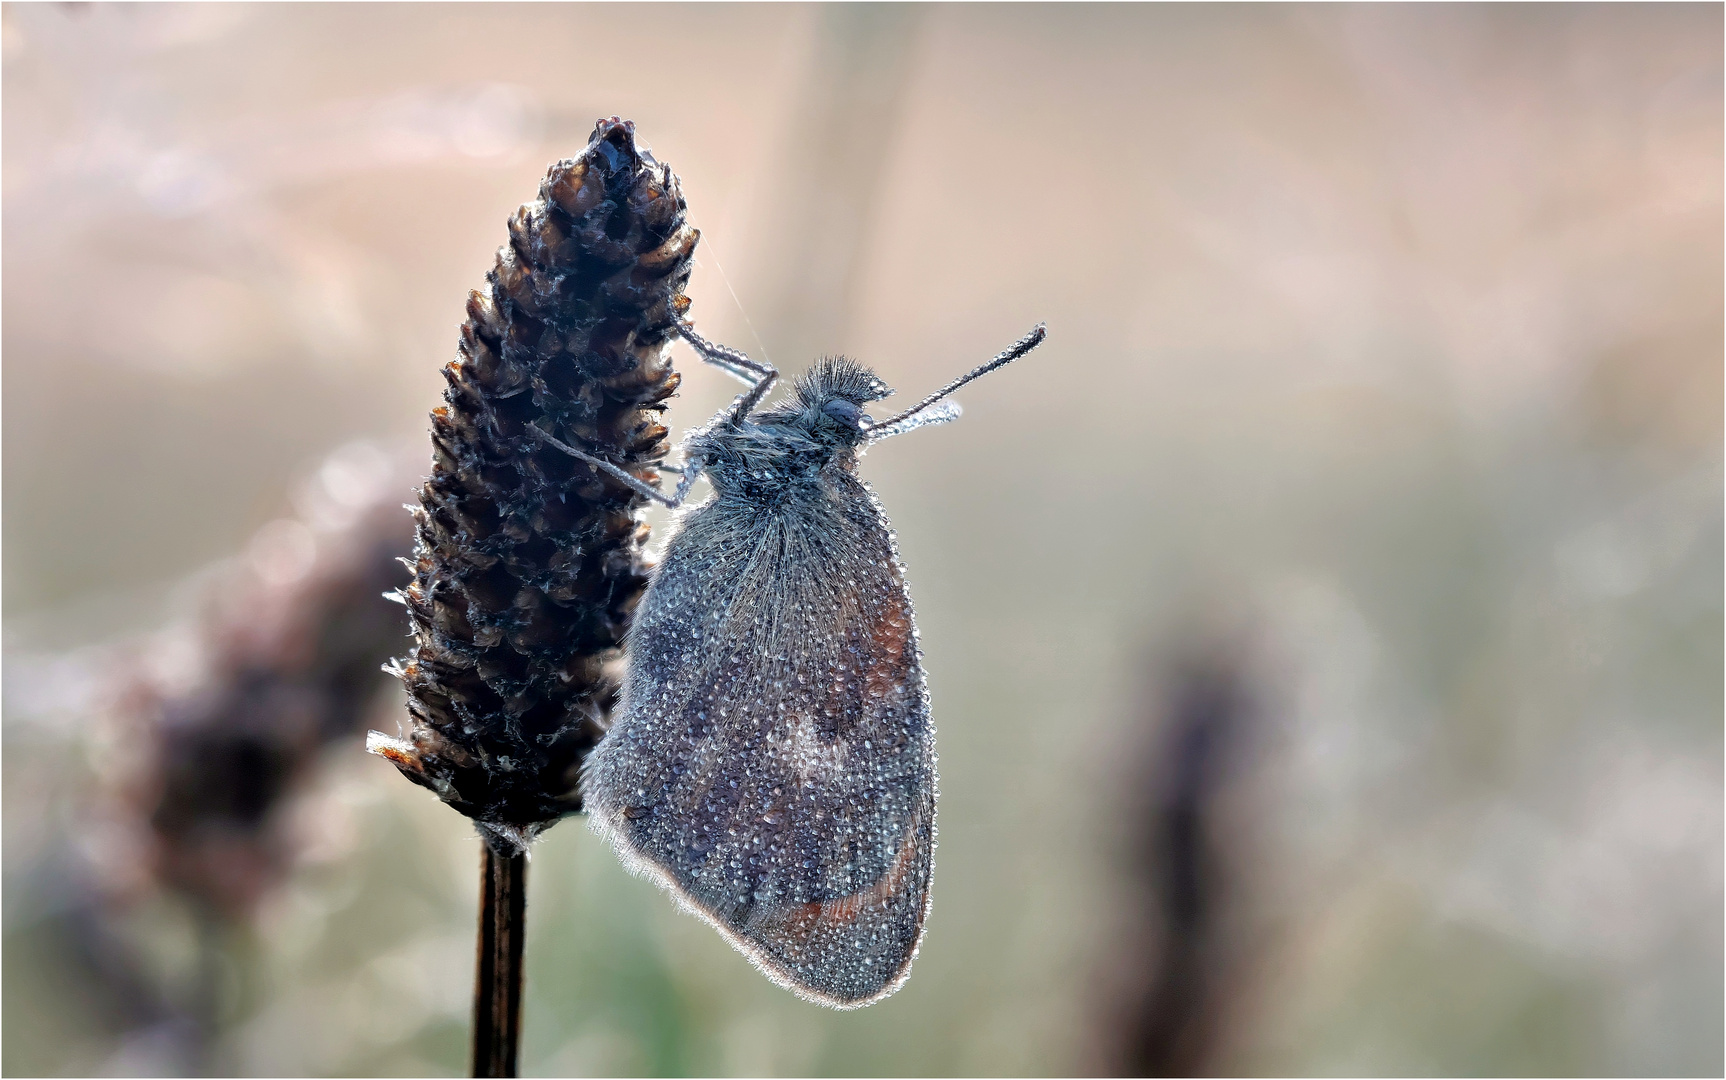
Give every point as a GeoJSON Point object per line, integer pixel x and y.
{"type": "Point", "coordinates": [773, 761]}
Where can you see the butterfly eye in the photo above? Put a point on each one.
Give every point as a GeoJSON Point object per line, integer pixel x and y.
{"type": "Point", "coordinates": [845, 412]}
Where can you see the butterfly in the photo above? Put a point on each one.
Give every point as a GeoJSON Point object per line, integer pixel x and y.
{"type": "Point", "coordinates": [771, 763]}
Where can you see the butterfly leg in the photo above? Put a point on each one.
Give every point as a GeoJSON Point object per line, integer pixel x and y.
{"type": "Point", "coordinates": [747, 377]}
{"type": "Point", "coordinates": [760, 377]}
{"type": "Point", "coordinates": [634, 483]}
{"type": "Point", "coordinates": [734, 363]}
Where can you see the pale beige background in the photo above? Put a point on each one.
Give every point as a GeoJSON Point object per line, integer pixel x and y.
{"type": "Point", "coordinates": [1393, 332]}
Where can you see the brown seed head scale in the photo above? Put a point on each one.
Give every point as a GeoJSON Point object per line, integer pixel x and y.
{"type": "Point", "coordinates": [528, 562]}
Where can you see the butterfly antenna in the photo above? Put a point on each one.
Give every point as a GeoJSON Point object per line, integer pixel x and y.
{"type": "Point", "coordinates": [1020, 348]}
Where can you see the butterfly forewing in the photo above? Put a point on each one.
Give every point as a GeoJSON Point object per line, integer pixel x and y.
{"type": "Point", "coordinates": [773, 761]}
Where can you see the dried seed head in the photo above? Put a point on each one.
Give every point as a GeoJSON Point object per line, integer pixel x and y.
{"type": "Point", "coordinates": [529, 562]}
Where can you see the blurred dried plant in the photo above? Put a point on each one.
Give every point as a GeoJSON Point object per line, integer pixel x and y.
{"type": "Point", "coordinates": [1169, 987]}
{"type": "Point", "coordinates": [231, 717]}
{"type": "Point", "coordinates": [291, 659]}
{"type": "Point", "coordinates": [216, 725]}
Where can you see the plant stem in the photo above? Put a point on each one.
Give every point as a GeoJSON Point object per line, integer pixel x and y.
{"type": "Point", "coordinates": [497, 978]}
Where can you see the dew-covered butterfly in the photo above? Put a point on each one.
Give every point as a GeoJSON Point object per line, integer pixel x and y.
{"type": "Point", "coordinates": [772, 760]}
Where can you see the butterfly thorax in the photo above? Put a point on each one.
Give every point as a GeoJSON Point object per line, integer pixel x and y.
{"type": "Point", "coordinates": [784, 450]}
{"type": "Point", "coordinates": [765, 463]}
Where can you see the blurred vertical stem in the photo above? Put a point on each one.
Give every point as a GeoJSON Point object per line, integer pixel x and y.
{"type": "Point", "coordinates": [498, 968]}
{"type": "Point", "coordinates": [835, 171]}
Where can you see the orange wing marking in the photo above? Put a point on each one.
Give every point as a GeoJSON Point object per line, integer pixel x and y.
{"type": "Point", "coordinates": [801, 921]}
{"type": "Point", "coordinates": [889, 637]}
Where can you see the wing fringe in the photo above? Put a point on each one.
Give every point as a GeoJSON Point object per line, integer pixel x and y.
{"type": "Point", "coordinates": [599, 819]}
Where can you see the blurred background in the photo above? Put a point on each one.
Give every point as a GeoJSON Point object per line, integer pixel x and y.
{"type": "Point", "coordinates": [1324, 627]}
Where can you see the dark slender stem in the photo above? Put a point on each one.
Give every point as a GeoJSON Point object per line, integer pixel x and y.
{"type": "Point", "coordinates": [497, 980]}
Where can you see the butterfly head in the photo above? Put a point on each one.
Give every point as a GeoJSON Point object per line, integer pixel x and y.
{"type": "Point", "coordinates": [828, 402]}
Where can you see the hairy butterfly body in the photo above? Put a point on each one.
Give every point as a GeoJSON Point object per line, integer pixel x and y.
{"type": "Point", "coordinates": [772, 761]}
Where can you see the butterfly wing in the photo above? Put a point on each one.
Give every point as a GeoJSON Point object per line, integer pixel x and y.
{"type": "Point", "coordinates": [773, 762]}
